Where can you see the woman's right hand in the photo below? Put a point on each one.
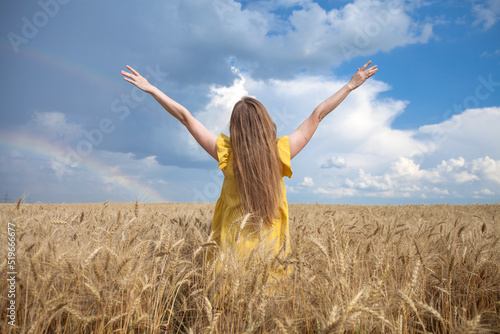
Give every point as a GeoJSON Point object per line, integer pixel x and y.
{"type": "Point", "coordinates": [137, 80]}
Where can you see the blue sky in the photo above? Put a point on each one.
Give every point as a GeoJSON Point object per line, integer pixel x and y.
{"type": "Point", "coordinates": [424, 129]}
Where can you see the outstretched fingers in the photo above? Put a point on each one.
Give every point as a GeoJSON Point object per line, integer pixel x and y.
{"type": "Point", "coordinates": [129, 80]}
{"type": "Point", "coordinates": [133, 71]}
{"type": "Point", "coordinates": [365, 65]}
{"type": "Point", "coordinates": [372, 70]}
{"type": "Point", "coordinates": [130, 77]}
{"type": "Point", "coordinates": [136, 79]}
{"type": "Point", "coordinates": [126, 74]}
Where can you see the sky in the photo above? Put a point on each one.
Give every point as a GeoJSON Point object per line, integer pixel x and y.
{"type": "Point", "coordinates": [422, 130]}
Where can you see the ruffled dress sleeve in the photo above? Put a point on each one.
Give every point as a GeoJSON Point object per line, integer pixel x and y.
{"type": "Point", "coordinates": [223, 145]}
{"type": "Point", "coordinates": [284, 153]}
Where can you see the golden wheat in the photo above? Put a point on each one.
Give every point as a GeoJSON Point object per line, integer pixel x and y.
{"type": "Point", "coordinates": [134, 267]}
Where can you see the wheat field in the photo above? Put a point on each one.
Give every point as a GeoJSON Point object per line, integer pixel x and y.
{"type": "Point", "coordinates": [141, 268]}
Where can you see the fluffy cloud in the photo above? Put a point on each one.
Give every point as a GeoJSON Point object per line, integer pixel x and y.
{"type": "Point", "coordinates": [334, 162]}
{"type": "Point", "coordinates": [307, 182]}
{"type": "Point", "coordinates": [486, 14]}
{"type": "Point", "coordinates": [53, 125]}
{"type": "Point", "coordinates": [436, 183]}
{"type": "Point", "coordinates": [470, 134]}
{"type": "Point", "coordinates": [310, 37]}
{"type": "Point", "coordinates": [455, 177]}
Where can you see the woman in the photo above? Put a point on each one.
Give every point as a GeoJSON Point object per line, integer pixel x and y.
{"type": "Point", "coordinates": [252, 208]}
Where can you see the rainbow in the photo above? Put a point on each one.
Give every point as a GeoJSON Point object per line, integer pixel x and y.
{"type": "Point", "coordinates": [42, 147]}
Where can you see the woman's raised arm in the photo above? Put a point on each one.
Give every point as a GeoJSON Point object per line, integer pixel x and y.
{"type": "Point", "coordinates": [203, 136]}
{"type": "Point", "coordinates": [300, 137]}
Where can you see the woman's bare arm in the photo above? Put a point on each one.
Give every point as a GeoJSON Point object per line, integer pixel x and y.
{"type": "Point", "coordinates": [201, 134]}
{"type": "Point", "coordinates": [300, 137]}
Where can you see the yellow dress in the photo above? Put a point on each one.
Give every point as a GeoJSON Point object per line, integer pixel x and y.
{"type": "Point", "coordinates": [228, 215]}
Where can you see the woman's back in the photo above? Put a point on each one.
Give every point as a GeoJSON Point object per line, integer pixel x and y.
{"type": "Point", "coordinates": [232, 227]}
{"type": "Point", "coordinates": [256, 162]}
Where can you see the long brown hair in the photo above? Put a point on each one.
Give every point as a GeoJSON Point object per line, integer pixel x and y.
{"type": "Point", "coordinates": [257, 166]}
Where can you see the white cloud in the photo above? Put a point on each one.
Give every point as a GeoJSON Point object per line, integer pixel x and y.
{"type": "Point", "coordinates": [486, 14]}
{"type": "Point", "coordinates": [335, 192]}
{"type": "Point", "coordinates": [452, 178]}
{"type": "Point", "coordinates": [470, 134]}
{"type": "Point", "coordinates": [488, 168]}
{"type": "Point", "coordinates": [365, 181]}
{"type": "Point", "coordinates": [484, 192]}
{"type": "Point", "coordinates": [310, 37]}
{"type": "Point", "coordinates": [334, 162]}
{"type": "Point", "coordinates": [406, 169]}
{"type": "Point", "coordinates": [217, 113]}
{"type": "Point", "coordinates": [308, 182]}
{"type": "Point", "coordinates": [440, 191]}
{"type": "Point", "coordinates": [54, 125]}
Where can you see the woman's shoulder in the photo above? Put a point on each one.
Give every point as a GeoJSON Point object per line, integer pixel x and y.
{"type": "Point", "coordinates": [283, 140]}
{"type": "Point", "coordinates": [223, 145]}
{"type": "Point", "coordinates": [223, 141]}
{"type": "Point", "coordinates": [283, 144]}
{"type": "Point", "coordinates": [284, 153]}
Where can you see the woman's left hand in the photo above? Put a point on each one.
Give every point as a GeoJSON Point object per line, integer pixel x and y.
{"type": "Point", "coordinates": [362, 75]}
